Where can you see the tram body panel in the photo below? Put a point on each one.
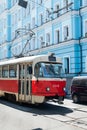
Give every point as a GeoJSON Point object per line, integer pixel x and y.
{"type": "Point", "coordinates": [47, 87]}
{"type": "Point", "coordinates": [9, 85]}
{"type": "Point", "coordinates": [26, 85]}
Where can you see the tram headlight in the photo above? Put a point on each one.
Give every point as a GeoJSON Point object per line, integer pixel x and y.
{"type": "Point", "coordinates": [64, 89]}
{"type": "Point", "coordinates": [48, 89]}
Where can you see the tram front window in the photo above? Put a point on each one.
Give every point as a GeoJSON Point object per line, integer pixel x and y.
{"type": "Point", "coordinates": [49, 70]}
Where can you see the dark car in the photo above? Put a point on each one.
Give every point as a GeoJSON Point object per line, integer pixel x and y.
{"type": "Point", "coordinates": [79, 89]}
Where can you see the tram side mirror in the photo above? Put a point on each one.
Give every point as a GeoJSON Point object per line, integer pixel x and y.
{"type": "Point", "coordinates": [30, 69]}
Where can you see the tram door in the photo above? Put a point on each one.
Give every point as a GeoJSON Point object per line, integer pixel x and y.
{"type": "Point", "coordinates": [24, 83]}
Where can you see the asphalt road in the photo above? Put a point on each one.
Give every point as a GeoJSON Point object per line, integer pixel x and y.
{"type": "Point", "coordinates": [49, 116]}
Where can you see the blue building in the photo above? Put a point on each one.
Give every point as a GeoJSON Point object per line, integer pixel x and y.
{"type": "Point", "coordinates": [44, 26]}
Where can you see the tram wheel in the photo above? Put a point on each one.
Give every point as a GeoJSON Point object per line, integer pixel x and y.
{"type": "Point", "coordinates": [10, 97]}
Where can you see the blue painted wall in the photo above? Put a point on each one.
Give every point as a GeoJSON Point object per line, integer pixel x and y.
{"type": "Point", "coordinates": [71, 18]}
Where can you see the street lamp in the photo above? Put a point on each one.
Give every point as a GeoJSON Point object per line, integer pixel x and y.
{"type": "Point", "coordinates": [23, 3]}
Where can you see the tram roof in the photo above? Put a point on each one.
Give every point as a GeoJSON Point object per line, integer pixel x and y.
{"type": "Point", "coordinates": [25, 59]}
{"type": "Point", "coordinates": [20, 60]}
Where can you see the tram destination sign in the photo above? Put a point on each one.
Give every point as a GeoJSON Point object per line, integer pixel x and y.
{"type": "Point", "coordinates": [52, 58]}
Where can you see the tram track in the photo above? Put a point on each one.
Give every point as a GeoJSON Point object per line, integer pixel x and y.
{"type": "Point", "coordinates": [77, 122]}
{"type": "Point", "coordinates": [73, 121]}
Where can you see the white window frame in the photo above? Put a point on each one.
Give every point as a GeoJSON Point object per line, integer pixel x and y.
{"type": "Point", "coordinates": [33, 4]}
{"type": "Point", "coordinates": [65, 36]}
{"type": "Point", "coordinates": [64, 67]}
{"type": "Point", "coordinates": [85, 28]}
{"type": "Point", "coordinates": [47, 15]}
{"type": "Point", "coordinates": [41, 18]}
{"type": "Point", "coordinates": [84, 2]}
{"type": "Point", "coordinates": [4, 53]}
{"type": "Point", "coordinates": [33, 22]}
{"type": "Point", "coordinates": [57, 14]}
{"type": "Point", "coordinates": [19, 14]}
{"type": "Point", "coordinates": [41, 41]}
{"type": "Point", "coordinates": [40, 1]}
{"type": "Point", "coordinates": [33, 43]}
{"type": "Point", "coordinates": [55, 36]}
{"type": "Point", "coordinates": [64, 4]}
{"type": "Point", "coordinates": [48, 39]}
{"type": "Point", "coordinates": [28, 9]}
{"type": "Point", "coordinates": [15, 18]}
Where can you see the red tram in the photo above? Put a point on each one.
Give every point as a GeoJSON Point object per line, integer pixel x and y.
{"type": "Point", "coordinates": [33, 79]}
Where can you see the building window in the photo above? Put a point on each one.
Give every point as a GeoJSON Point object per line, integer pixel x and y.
{"type": "Point", "coordinates": [28, 26]}
{"type": "Point", "coordinates": [66, 64]}
{"type": "Point", "coordinates": [33, 22]}
{"type": "Point", "coordinates": [15, 18]}
{"type": "Point", "coordinates": [42, 44]}
{"type": "Point", "coordinates": [47, 39]}
{"type": "Point", "coordinates": [14, 2]}
{"type": "Point", "coordinates": [19, 49]}
{"type": "Point", "coordinates": [19, 15]}
{"type": "Point", "coordinates": [41, 19]}
{"type": "Point", "coordinates": [4, 38]}
{"type": "Point", "coordinates": [4, 55]}
{"type": "Point", "coordinates": [28, 9]}
{"type": "Point", "coordinates": [29, 45]}
{"type": "Point", "coordinates": [66, 32]}
{"type": "Point", "coordinates": [57, 8]}
{"type": "Point", "coordinates": [40, 1]}
{"type": "Point", "coordinates": [33, 43]}
{"type": "Point", "coordinates": [57, 36]}
{"type": "Point", "coordinates": [85, 28]}
{"type": "Point", "coordinates": [85, 3]}
{"type": "Point", "coordinates": [4, 4]}
{"type": "Point", "coordinates": [13, 35]}
{"type": "Point", "coordinates": [24, 13]}
{"type": "Point", "coordinates": [16, 50]}
{"type": "Point", "coordinates": [47, 15]}
{"type": "Point", "coordinates": [65, 3]}
{"type": "Point", "coordinates": [33, 4]}
{"type": "Point", "coordinates": [4, 23]}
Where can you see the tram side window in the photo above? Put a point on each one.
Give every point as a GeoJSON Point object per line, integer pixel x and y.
{"type": "Point", "coordinates": [5, 71]}
{"type": "Point", "coordinates": [38, 70]}
{"type": "Point", "coordinates": [13, 71]}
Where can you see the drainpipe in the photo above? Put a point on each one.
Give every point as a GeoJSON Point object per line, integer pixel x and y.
{"type": "Point", "coordinates": [80, 56]}
{"type": "Point", "coordinates": [80, 43]}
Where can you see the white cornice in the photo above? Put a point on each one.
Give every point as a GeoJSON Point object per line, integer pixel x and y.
{"type": "Point", "coordinates": [15, 7]}
{"type": "Point", "coordinates": [54, 46]}
{"type": "Point", "coordinates": [84, 9]}
{"type": "Point", "coordinates": [84, 40]}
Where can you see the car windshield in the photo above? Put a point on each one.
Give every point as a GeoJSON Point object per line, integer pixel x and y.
{"type": "Point", "coordinates": [49, 70]}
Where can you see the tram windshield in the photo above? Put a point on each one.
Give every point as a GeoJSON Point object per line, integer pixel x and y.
{"type": "Point", "coordinates": [48, 70]}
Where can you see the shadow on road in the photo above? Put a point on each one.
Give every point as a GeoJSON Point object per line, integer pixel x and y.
{"type": "Point", "coordinates": [42, 109]}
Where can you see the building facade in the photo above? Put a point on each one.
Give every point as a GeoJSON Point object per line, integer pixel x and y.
{"type": "Point", "coordinates": [58, 26]}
